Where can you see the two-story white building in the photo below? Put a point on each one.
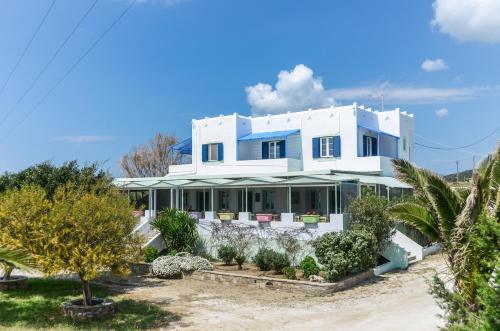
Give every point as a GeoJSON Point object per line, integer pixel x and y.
{"type": "Point", "coordinates": [285, 170]}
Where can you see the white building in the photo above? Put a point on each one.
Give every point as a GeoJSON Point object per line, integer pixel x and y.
{"type": "Point", "coordinates": [288, 170]}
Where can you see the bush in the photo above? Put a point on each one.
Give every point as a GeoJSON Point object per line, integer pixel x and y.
{"type": "Point", "coordinates": [267, 259]}
{"type": "Point", "coordinates": [150, 254]}
{"type": "Point", "coordinates": [177, 229]}
{"type": "Point", "coordinates": [264, 259]}
{"type": "Point", "coordinates": [309, 267]}
{"type": "Point", "coordinates": [345, 253]}
{"type": "Point", "coordinates": [226, 253]}
{"type": "Point", "coordinates": [240, 259]}
{"type": "Point", "coordinates": [280, 261]}
{"type": "Point", "coordinates": [174, 266]}
{"type": "Point", "coordinates": [289, 272]}
{"type": "Point", "coordinates": [368, 214]}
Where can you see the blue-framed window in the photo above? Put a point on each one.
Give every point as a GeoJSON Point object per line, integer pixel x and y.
{"type": "Point", "coordinates": [275, 149]}
{"type": "Point", "coordinates": [370, 146]}
{"type": "Point", "coordinates": [326, 147]}
{"type": "Point", "coordinates": [212, 152]}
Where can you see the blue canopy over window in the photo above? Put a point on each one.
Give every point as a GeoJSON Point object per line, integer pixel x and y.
{"type": "Point", "coordinates": [184, 147]}
{"type": "Point", "coordinates": [268, 135]}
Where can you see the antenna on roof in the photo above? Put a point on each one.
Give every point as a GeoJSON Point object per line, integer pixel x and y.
{"type": "Point", "coordinates": [382, 101]}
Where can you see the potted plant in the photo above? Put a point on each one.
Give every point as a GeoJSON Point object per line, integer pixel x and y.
{"type": "Point", "coordinates": [225, 215]}
{"type": "Point", "coordinates": [310, 217]}
{"type": "Point", "coordinates": [264, 217]}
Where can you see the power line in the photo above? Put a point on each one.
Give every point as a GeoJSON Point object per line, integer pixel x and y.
{"type": "Point", "coordinates": [70, 70]}
{"type": "Point", "coordinates": [52, 58]}
{"type": "Point", "coordinates": [27, 46]}
{"type": "Point", "coordinates": [460, 147]}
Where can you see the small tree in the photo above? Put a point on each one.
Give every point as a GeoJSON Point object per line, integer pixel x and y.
{"type": "Point", "coordinates": [177, 229]}
{"type": "Point", "coordinates": [151, 159]}
{"type": "Point", "coordinates": [289, 241]}
{"type": "Point", "coordinates": [80, 231]}
{"type": "Point", "coordinates": [239, 236]}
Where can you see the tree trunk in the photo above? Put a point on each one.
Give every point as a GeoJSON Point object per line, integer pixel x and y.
{"type": "Point", "coordinates": [87, 295]}
{"type": "Point", "coordinates": [240, 266]}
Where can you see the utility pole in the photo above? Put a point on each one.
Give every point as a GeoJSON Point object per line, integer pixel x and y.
{"type": "Point", "coordinates": [457, 170]}
{"type": "Point", "coordinates": [473, 162]}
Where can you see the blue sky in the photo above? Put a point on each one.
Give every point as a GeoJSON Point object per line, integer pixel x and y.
{"type": "Point", "coordinates": [168, 61]}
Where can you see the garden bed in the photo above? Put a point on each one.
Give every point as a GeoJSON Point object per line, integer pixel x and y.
{"type": "Point", "coordinates": [272, 281]}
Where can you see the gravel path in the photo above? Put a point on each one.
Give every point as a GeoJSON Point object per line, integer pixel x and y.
{"type": "Point", "coordinates": [395, 301]}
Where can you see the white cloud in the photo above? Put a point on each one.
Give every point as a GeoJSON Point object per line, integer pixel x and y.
{"type": "Point", "coordinates": [468, 20]}
{"type": "Point", "coordinates": [434, 65]}
{"type": "Point", "coordinates": [83, 138]}
{"type": "Point", "coordinates": [442, 112]}
{"type": "Point", "coordinates": [296, 89]}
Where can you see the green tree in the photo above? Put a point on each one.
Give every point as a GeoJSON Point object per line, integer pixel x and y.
{"type": "Point", "coordinates": [81, 231]}
{"type": "Point", "coordinates": [177, 229]}
{"type": "Point", "coordinates": [50, 177]}
{"type": "Point", "coordinates": [457, 219]}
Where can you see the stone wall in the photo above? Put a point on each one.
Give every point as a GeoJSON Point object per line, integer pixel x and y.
{"type": "Point", "coordinates": [13, 283]}
{"type": "Point", "coordinates": [275, 283]}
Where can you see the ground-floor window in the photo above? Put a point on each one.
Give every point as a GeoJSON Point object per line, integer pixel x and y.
{"type": "Point", "coordinates": [269, 200]}
{"type": "Point", "coordinates": [203, 201]}
{"type": "Point", "coordinates": [223, 200]}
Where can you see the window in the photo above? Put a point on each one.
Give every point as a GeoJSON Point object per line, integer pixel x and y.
{"type": "Point", "coordinates": [223, 200]}
{"type": "Point", "coordinates": [326, 149]}
{"type": "Point", "coordinates": [369, 146]}
{"type": "Point", "coordinates": [269, 200]}
{"type": "Point", "coordinates": [404, 144]}
{"type": "Point", "coordinates": [213, 152]}
{"type": "Point", "coordinates": [274, 149]}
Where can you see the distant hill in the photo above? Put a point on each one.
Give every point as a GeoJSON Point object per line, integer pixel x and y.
{"type": "Point", "coordinates": [463, 176]}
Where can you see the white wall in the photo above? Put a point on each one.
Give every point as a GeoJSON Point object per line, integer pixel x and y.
{"type": "Point", "coordinates": [333, 121]}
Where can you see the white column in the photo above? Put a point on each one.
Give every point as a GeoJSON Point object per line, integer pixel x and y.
{"type": "Point", "coordinates": [336, 208]}
{"type": "Point", "coordinates": [150, 202]}
{"type": "Point", "coordinates": [289, 199]}
{"type": "Point", "coordinates": [182, 199]}
{"type": "Point", "coordinates": [155, 202]}
{"type": "Point", "coordinates": [212, 199]}
{"type": "Point", "coordinates": [171, 198]}
{"type": "Point", "coordinates": [327, 204]}
{"type": "Point", "coordinates": [388, 194]}
{"type": "Point", "coordinates": [204, 207]}
{"type": "Point", "coordinates": [246, 199]}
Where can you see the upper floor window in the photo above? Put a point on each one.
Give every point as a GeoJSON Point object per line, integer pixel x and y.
{"type": "Point", "coordinates": [273, 149]}
{"type": "Point", "coordinates": [212, 152]}
{"type": "Point", "coordinates": [404, 144]}
{"type": "Point", "coordinates": [326, 147]}
{"type": "Point", "coordinates": [370, 145]}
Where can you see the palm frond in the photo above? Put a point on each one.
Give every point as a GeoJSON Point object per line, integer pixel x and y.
{"type": "Point", "coordinates": [19, 259]}
{"type": "Point", "coordinates": [418, 216]}
{"type": "Point", "coordinates": [405, 171]}
{"type": "Point", "coordinates": [445, 201]}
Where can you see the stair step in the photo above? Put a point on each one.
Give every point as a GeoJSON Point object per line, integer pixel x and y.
{"type": "Point", "coordinates": [412, 259]}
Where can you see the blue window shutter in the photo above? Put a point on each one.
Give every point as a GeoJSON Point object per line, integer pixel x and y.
{"type": "Point", "coordinates": [336, 146]}
{"type": "Point", "coordinates": [282, 149]}
{"type": "Point", "coordinates": [374, 147]}
{"type": "Point", "coordinates": [265, 150]}
{"type": "Point", "coordinates": [315, 147]}
{"type": "Point", "coordinates": [220, 152]}
{"type": "Point", "coordinates": [204, 153]}
{"type": "Point", "coordinates": [365, 146]}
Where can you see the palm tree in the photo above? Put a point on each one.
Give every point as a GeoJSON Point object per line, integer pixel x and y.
{"type": "Point", "coordinates": [450, 215]}
{"type": "Point", "coordinates": [10, 259]}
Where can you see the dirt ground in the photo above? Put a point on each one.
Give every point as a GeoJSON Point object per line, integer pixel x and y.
{"type": "Point", "coordinates": [394, 301]}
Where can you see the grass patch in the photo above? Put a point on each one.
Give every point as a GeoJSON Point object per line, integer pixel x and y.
{"type": "Point", "coordinates": [39, 307]}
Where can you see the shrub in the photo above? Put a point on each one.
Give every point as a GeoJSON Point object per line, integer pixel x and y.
{"type": "Point", "coordinates": [267, 259]}
{"type": "Point", "coordinates": [226, 253]}
{"type": "Point", "coordinates": [309, 267]}
{"type": "Point", "coordinates": [368, 214]}
{"type": "Point", "coordinates": [240, 259]}
{"type": "Point", "coordinates": [177, 229]}
{"type": "Point", "coordinates": [264, 259]}
{"type": "Point", "coordinates": [239, 236]}
{"type": "Point", "coordinates": [280, 261]}
{"type": "Point", "coordinates": [345, 253]}
{"type": "Point", "coordinates": [150, 254]}
{"type": "Point", "coordinates": [174, 266]}
{"type": "Point", "coordinates": [289, 272]}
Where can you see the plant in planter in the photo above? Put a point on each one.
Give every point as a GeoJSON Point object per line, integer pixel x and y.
{"type": "Point", "coordinates": [82, 231]}
{"type": "Point", "coordinates": [227, 254]}
{"type": "Point", "coordinates": [290, 272]}
{"type": "Point", "coordinates": [267, 259]}
{"type": "Point", "coordinates": [177, 229]}
{"type": "Point", "coordinates": [9, 260]}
